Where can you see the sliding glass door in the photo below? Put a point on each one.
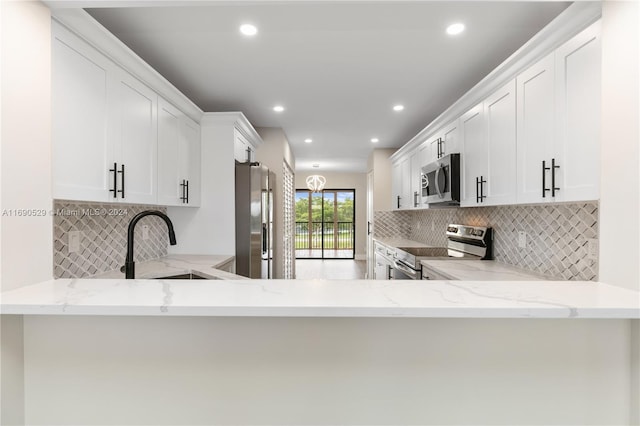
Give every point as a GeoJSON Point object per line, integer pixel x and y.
{"type": "Point", "coordinates": [325, 224]}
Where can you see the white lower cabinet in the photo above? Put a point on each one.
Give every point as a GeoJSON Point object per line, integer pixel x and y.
{"type": "Point", "coordinates": [178, 158]}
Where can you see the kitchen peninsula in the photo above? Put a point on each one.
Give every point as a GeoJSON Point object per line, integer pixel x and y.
{"type": "Point", "coordinates": [201, 352]}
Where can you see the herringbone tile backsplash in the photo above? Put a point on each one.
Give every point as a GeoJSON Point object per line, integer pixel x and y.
{"type": "Point", "coordinates": [557, 234]}
{"type": "Point", "coordinates": [103, 242]}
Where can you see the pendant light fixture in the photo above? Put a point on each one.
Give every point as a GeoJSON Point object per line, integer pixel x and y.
{"type": "Point", "coordinates": [316, 183]}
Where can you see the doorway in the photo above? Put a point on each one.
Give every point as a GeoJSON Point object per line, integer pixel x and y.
{"type": "Point", "coordinates": [325, 224]}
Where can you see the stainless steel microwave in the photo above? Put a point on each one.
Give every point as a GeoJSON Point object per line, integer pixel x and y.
{"type": "Point", "coordinates": [440, 182]}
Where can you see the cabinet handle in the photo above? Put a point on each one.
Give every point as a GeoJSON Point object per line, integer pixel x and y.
{"type": "Point", "coordinates": [183, 186]}
{"type": "Point", "coordinates": [248, 154]}
{"type": "Point", "coordinates": [440, 148]}
{"type": "Point", "coordinates": [544, 178]}
{"type": "Point", "coordinates": [368, 228]}
{"type": "Point", "coordinates": [115, 180]}
{"type": "Point", "coordinates": [121, 191]}
{"type": "Point", "coordinates": [482, 182]}
{"type": "Point", "coordinates": [187, 192]}
{"type": "Point", "coordinates": [553, 177]}
{"type": "Point", "coordinates": [415, 198]}
{"type": "Point", "coordinates": [398, 201]}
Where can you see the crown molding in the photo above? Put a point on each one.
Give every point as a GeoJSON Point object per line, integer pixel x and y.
{"type": "Point", "coordinates": [570, 22]}
{"type": "Point", "coordinates": [235, 118]}
{"type": "Point", "coordinates": [86, 27]}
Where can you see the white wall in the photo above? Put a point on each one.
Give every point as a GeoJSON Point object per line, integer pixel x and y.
{"type": "Point", "coordinates": [27, 242]}
{"type": "Point", "coordinates": [210, 229]}
{"type": "Point", "coordinates": [275, 150]}
{"type": "Point", "coordinates": [620, 183]}
{"type": "Point", "coordinates": [357, 181]}
{"type": "Point", "coordinates": [120, 370]}
{"type": "Point", "coordinates": [381, 165]}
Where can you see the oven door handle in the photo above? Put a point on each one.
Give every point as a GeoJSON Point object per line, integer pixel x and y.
{"type": "Point", "coordinates": [406, 270]}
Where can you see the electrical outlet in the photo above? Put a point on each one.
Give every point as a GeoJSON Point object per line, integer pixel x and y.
{"type": "Point", "coordinates": [592, 248]}
{"type": "Point", "coordinates": [74, 241]}
{"type": "Point", "coordinates": [522, 239]}
{"type": "Point", "coordinates": [145, 232]}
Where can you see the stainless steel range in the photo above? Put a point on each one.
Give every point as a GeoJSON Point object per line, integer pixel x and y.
{"type": "Point", "coordinates": [463, 242]}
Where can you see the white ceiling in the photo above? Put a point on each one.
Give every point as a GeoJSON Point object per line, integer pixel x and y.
{"type": "Point", "coordinates": [337, 67]}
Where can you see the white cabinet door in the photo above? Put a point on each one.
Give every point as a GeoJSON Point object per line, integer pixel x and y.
{"type": "Point", "coordinates": [401, 184]}
{"type": "Point", "coordinates": [80, 148]}
{"type": "Point", "coordinates": [135, 127]}
{"type": "Point", "coordinates": [178, 157]}
{"type": "Point", "coordinates": [189, 161]}
{"type": "Point", "coordinates": [500, 119]}
{"type": "Point", "coordinates": [435, 144]}
{"type": "Point", "coordinates": [449, 144]}
{"type": "Point", "coordinates": [396, 185]}
{"type": "Point", "coordinates": [578, 87]}
{"type": "Point", "coordinates": [535, 130]}
{"type": "Point", "coordinates": [416, 172]}
{"type": "Point", "coordinates": [169, 158]}
{"type": "Point", "coordinates": [474, 160]}
{"type": "Point", "coordinates": [242, 148]}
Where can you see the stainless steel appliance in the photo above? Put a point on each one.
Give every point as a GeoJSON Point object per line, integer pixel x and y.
{"type": "Point", "coordinates": [463, 242]}
{"type": "Point", "coordinates": [440, 182]}
{"type": "Point", "coordinates": [254, 220]}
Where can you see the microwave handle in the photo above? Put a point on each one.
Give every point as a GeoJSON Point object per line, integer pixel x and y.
{"type": "Point", "coordinates": [438, 171]}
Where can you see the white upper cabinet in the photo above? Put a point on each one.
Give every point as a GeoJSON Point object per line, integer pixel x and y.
{"type": "Point", "coordinates": [243, 150]}
{"type": "Point", "coordinates": [80, 147]}
{"type": "Point", "coordinates": [401, 184]}
{"type": "Point", "coordinates": [134, 124]}
{"type": "Point", "coordinates": [178, 157]}
{"type": "Point", "coordinates": [474, 164]}
{"type": "Point", "coordinates": [499, 179]}
{"type": "Point", "coordinates": [578, 112]}
{"type": "Point", "coordinates": [559, 123]}
{"type": "Point", "coordinates": [107, 127]}
{"type": "Point", "coordinates": [190, 164]}
{"type": "Point", "coordinates": [535, 130]}
{"type": "Point", "coordinates": [415, 180]}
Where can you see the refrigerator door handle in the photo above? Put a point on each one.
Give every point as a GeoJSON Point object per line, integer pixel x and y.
{"type": "Point", "coordinates": [264, 238]}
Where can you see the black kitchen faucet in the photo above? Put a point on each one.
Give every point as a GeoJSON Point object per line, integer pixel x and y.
{"type": "Point", "coordinates": [130, 265]}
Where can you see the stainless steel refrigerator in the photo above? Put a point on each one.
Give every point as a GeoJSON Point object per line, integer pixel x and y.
{"type": "Point", "coordinates": [254, 220]}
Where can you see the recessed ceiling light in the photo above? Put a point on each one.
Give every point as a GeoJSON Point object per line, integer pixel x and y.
{"type": "Point", "coordinates": [375, 140]}
{"type": "Point", "coordinates": [248, 29]}
{"type": "Point", "coordinates": [308, 140]}
{"type": "Point", "coordinates": [455, 29]}
{"type": "Point", "coordinates": [316, 165]}
{"type": "Point", "coordinates": [278, 108]}
{"type": "Point", "coordinates": [398, 107]}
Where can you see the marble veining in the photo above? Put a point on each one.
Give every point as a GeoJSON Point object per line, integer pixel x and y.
{"type": "Point", "coordinates": [321, 298]}
{"type": "Point", "coordinates": [479, 270]}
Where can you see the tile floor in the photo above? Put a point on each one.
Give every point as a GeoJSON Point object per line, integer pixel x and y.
{"type": "Point", "coordinates": [329, 269]}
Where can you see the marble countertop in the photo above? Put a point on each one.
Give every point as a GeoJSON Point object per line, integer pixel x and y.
{"type": "Point", "coordinates": [478, 270]}
{"type": "Point", "coordinates": [321, 298]}
{"type": "Point", "coordinates": [399, 242]}
{"type": "Point", "coordinates": [201, 264]}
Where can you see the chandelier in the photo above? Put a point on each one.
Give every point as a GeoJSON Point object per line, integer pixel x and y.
{"type": "Point", "coordinates": [316, 183]}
